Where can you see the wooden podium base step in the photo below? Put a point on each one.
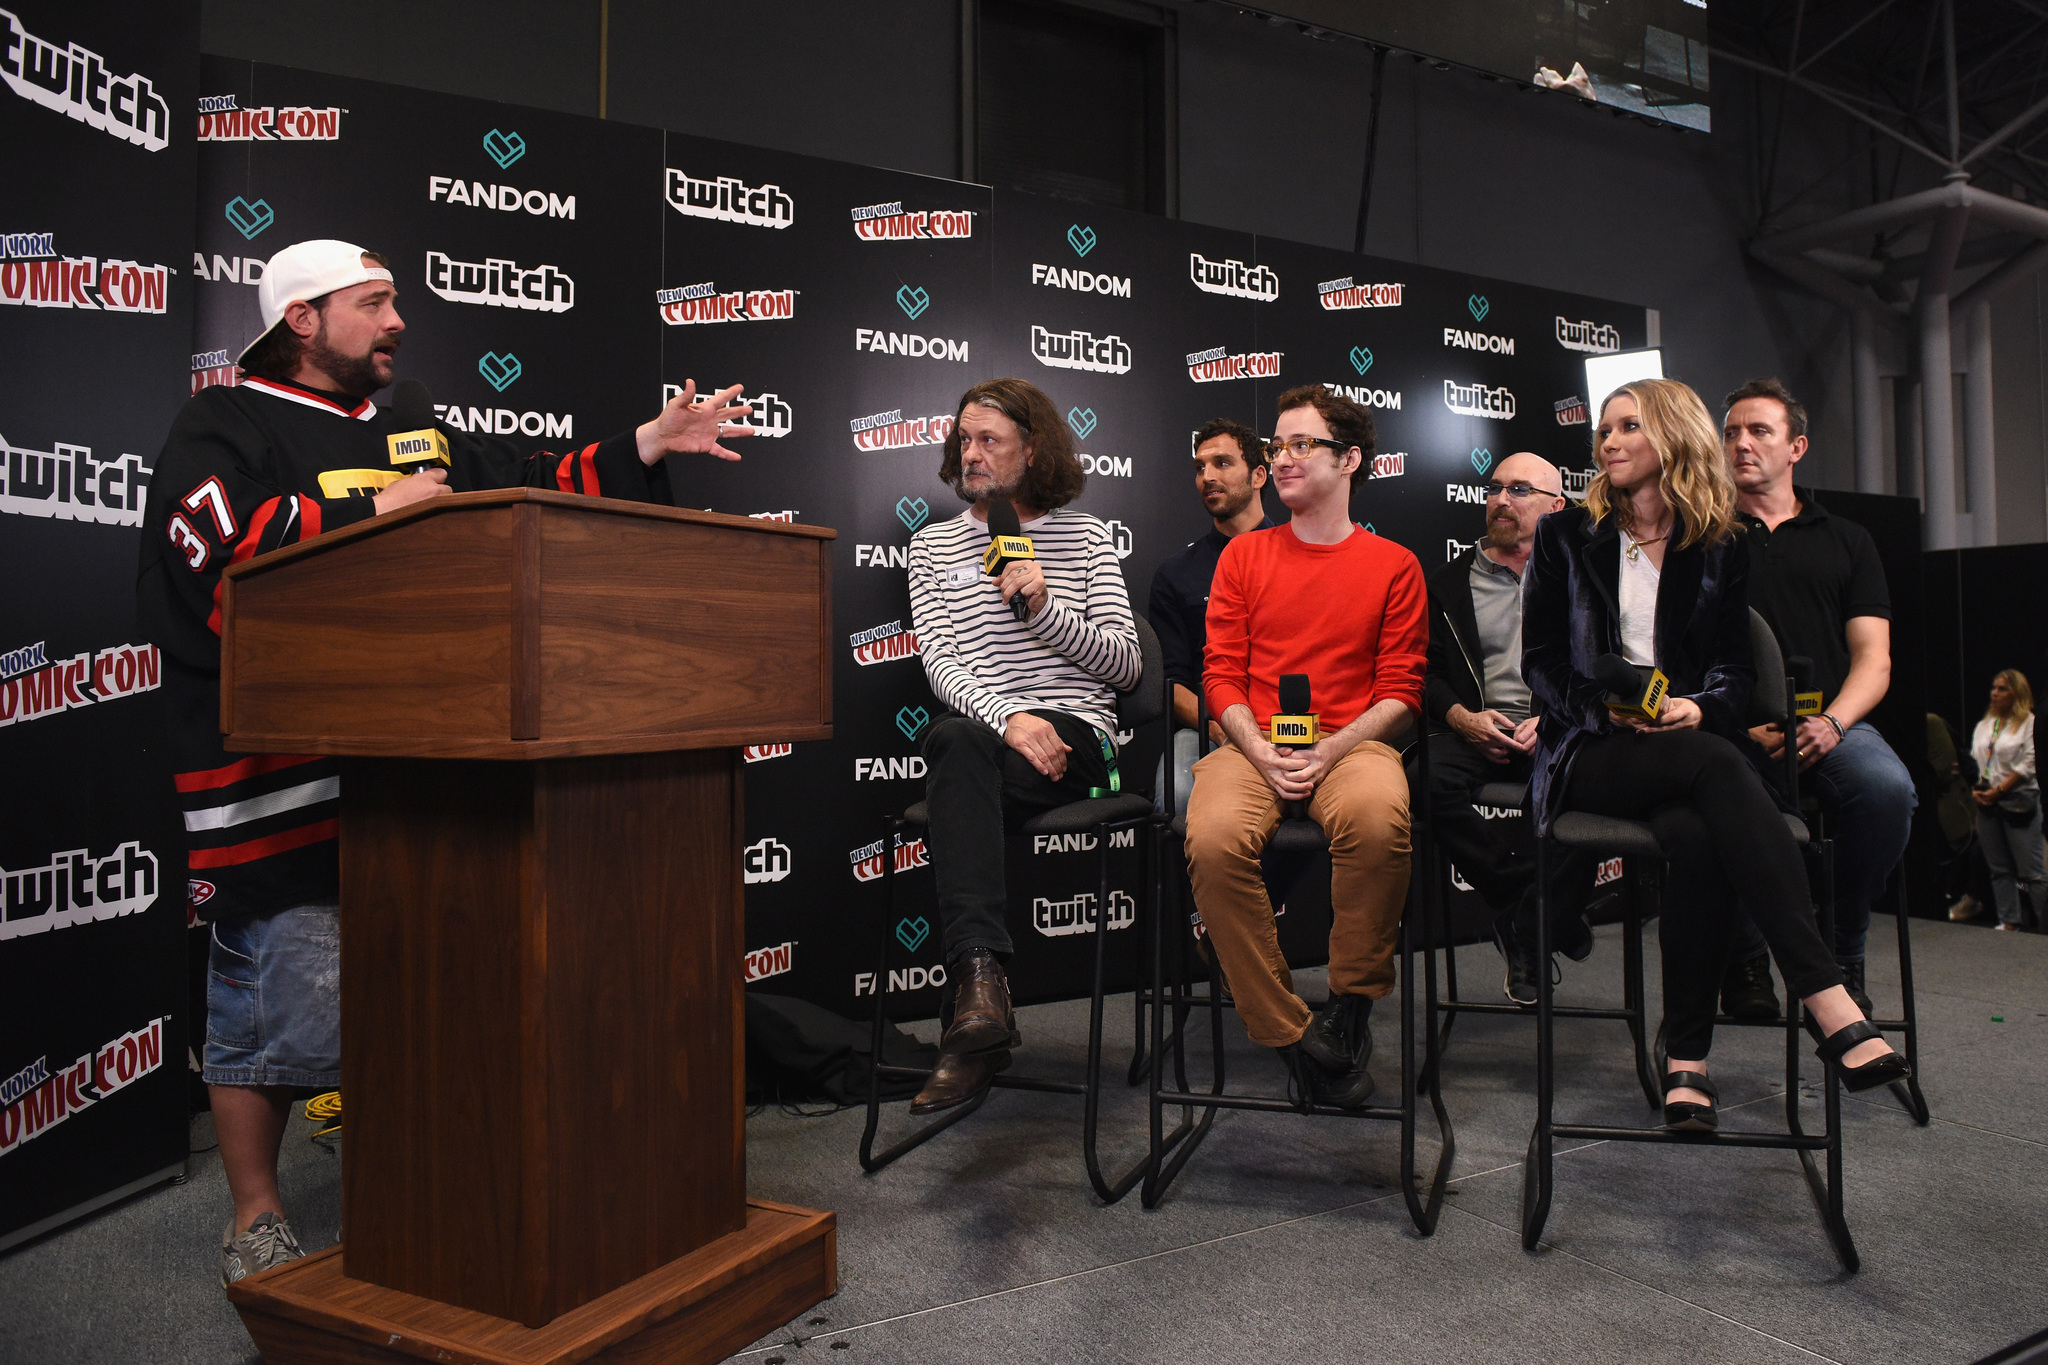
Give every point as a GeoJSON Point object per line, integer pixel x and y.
{"type": "Point", "coordinates": [699, 1308]}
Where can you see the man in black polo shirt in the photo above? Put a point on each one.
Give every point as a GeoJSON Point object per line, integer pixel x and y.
{"type": "Point", "coordinates": [1230, 472]}
{"type": "Point", "coordinates": [1816, 578]}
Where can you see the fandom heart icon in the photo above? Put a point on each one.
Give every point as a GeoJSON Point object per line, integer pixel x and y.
{"type": "Point", "coordinates": [1482, 460]}
{"type": "Point", "coordinates": [499, 370]}
{"type": "Point", "coordinates": [912, 933]}
{"type": "Point", "coordinates": [913, 301]}
{"type": "Point", "coordinates": [250, 219]}
{"type": "Point", "coordinates": [1082, 239]}
{"type": "Point", "coordinates": [912, 719]}
{"type": "Point", "coordinates": [1082, 420]}
{"type": "Point", "coordinates": [504, 148]}
{"type": "Point", "coordinates": [1479, 306]}
{"type": "Point", "coordinates": [912, 511]}
{"type": "Point", "coordinates": [1361, 359]}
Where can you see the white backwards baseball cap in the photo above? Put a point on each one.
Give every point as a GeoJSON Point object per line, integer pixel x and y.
{"type": "Point", "coordinates": [307, 270]}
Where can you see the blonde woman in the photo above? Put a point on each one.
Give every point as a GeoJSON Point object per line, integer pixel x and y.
{"type": "Point", "coordinates": [2008, 798]}
{"type": "Point", "coordinates": [1649, 568]}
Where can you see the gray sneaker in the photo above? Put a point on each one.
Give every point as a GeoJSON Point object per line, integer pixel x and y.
{"type": "Point", "coordinates": [268, 1242]}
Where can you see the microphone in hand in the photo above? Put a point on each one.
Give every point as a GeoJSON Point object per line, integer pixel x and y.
{"type": "Point", "coordinates": [418, 444]}
{"type": "Point", "coordinates": [1007, 544]}
{"type": "Point", "coordinates": [1632, 690]}
{"type": "Point", "coordinates": [1294, 725]}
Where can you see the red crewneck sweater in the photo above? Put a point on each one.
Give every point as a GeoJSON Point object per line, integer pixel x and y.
{"type": "Point", "coordinates": [1353, 616]}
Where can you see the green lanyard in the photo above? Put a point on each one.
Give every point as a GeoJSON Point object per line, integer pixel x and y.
{"type": "Point", "coordinates": [1116, 783]}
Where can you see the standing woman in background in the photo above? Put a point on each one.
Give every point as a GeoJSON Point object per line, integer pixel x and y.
{"type": "Point", "coordinates": [1650, 568]}
{"type": "Point", "coordinates": [2008, 800]}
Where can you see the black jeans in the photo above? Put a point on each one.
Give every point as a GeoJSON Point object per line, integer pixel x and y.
{"type": "Point", "coordinates": [1498, 857]}
{"type": "Point", "coordinates": [1729, 848]}
{"type": "Point", "coordinates": [978, 789]}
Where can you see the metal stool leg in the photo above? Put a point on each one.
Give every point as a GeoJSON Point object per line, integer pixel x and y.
{"type": "Point", "coordinates": [1109, 1192]}
{"type": "Point", "coordinates": [1908, 1091]}
{"type": "Point", "coordinates": [1536, 1170]}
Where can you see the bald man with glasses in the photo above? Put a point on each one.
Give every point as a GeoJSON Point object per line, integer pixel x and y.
{"type": "Point", "coordinates": [1482, 718]}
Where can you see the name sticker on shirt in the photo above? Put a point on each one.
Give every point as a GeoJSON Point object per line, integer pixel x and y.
{"type": "Point", "coordinates": [959, 574]}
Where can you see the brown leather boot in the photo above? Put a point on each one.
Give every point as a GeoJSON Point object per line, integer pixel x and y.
{"type": "Point", "coordinates": [956, 1080]}
{"type": "Point", "coordinates": [982, 1019]}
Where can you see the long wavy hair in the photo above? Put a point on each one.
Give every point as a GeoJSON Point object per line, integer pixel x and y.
{"type": "Point", "coordinates": [1054, 477]}
{"type": "Point", "coordinates": [2022, 696]}
{"type": "Point", "coordinates": [1695, 480]}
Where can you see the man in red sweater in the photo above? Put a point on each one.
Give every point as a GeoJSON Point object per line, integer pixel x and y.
{"type": "Point", "coordinates": [1323, 596]}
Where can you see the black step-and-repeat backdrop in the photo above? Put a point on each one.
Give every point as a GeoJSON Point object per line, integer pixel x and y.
{"type": "Point", "coordinates": [95, 252]}
{"type": "Point", "coordinates": [560, 275]}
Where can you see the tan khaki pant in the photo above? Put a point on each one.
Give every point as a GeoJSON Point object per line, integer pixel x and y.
{"type": "Point", "coordinates": [1362, 804]}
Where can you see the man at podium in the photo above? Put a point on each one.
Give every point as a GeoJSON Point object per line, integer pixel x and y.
{"type": "Point", "coordinates": [296, 449]}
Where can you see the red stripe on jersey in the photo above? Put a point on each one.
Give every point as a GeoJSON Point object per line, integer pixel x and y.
{"type": "Point", "coordinates": [235, 854]}
{"type": "Point", "coordinates": [244, 549]}
{"type": "Point", "coordinates": [284, 389]}
{"type": "Point", "coordinates": [565, 474]}
{"type": "Point", "coordinates": [253, 766]}
{"type": "Point", "coordinates": [589, 460]}
{"type": "Point", "coordinates": [309, 518]}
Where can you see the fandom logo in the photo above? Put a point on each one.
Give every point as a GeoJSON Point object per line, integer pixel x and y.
{"type": "Point", "coordinates": [500, 284]}
{"type": "Point", "coordinates": [881, 556]}
{"type": "Point", "coordinates": [68, 484]}
{"type": "Point", "coordinates": [1082, 239]}
{"type": "Point", "coordinates": [1571, 412]}
{"type": "Point", "coordinates": [1233, 278]}
{"type": "Point", "coordinates": [892, 431]}
{"type": "Point", "coordinates": [221, 121]}
{"type": "Point", "coordinates": [900, 769]}
{"type": "Point", "coordinates": [73, 81]}
{"type": "Point", "coordinates": [1082, 420]}
{"type": "Point", "coordinates": [230, 269]}
{"type": "Point", "coordinates": [74, 888]}
{"type": "Point", "coordinates": [1213, 366]}
{"type": "Point", "coordinates": [1478, 307]}
{"type": "Point", "coordinates": [867, 860]}
{"type": "Point", "coordinates": [883, 342]}
{"type": "Point", "coordinates": [1587, 336]}
{"type": "Point", "coordinates": [883, 644]}
{"type": "Point", "coordinates": [499, 371]}
{"type": "Point", "coordinates": [912, 933]}
{"type": "Point", "coordinates": [905, 978]}
{"type": "Point", "coordinates": [1336, 294]}
{"type": "Point", "coordinates": [765, 860]}
{"type": "Point", "coordinates": [1478, 341]}
{"type": "Point", "coordinates": [1119, 538]}
{"type": "Point", "coordinates": [1058, 919]}
{"type": "Point", "coordinates": [505, 422]}
{"type": "Point", "coordinates": [1367, 397]}
{"type": "Point", "coordinates": [893, 223]}
{"type": "Point", "coordinates": [1081, 281]}
{"type": "Point", "coordinates": [505, 148]}
{"type": "Point", "coordinates": [913, 301]}
{"type": "Point", "coordinates": [1108, 466]}
{"type": "Point", "coordinates": [911, 720]}
{"type": "Point", "coordinates": [1482, 460]}
{"type": "Point", "coordinates": [1079, 350]}
{"type": "Point", "coordinates": [728, 199]}
{"type": "Point", "coordinates": [1361, 359]}
{"type": "Point", "coordinates": [702, 303]}
{"type": "Point", "coordinates": [1477, 400]}
{"type": "Point", "coordinates": [913, 512]}
{"type": "Point", "coordinates": [1081, 843]}
{"type": "Point", "coordinates": [766, 962]}
{"type": "Point", "coordinates": [476, 194]}
{"type": "Point", "coordinates": [250, 219]}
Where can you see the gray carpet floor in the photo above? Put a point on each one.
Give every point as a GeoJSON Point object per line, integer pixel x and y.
{"type": "Point", "coordinates": [1287, 1238]}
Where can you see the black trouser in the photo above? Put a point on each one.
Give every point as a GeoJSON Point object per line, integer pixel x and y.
{"type": "Point", "coordinates": [978, 789]}
{"type": "Point", "coordinates": [1728, 846]}
{"type": "Point", "coordinates": [1498, 857]}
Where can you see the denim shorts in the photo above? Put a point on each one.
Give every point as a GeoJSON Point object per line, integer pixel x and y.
{"type": "Point", "coordinates": [273, 1000]}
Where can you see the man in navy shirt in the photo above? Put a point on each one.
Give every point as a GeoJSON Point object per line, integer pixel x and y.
{"type": "Point", "coordinates": [1230, 474]}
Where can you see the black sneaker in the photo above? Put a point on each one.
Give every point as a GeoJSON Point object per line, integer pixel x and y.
{"type": "Point", "coordinates": [1344, 1025]}
{"type": "Point", "coordinates": [1746, 990]}
{"type": "Point", "coordinates": [1852, 979]}
{"type": "Point", "coordinates": [1520, 983]}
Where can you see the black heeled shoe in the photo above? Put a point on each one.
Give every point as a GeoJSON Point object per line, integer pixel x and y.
{"type": "Point", "coordinates": [1834, 1046]}
{"type": "Point", "coordinates": [1685, 1116]}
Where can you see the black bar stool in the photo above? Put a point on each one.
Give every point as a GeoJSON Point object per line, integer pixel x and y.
{"type": "Point", "coordinates": [1104, 816]}
{"type": "Point", "coordinates": [1302, 837]}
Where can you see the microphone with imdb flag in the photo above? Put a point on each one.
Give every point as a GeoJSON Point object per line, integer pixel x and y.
{"type": "Point", "coordinates": [1294, 725]}
{"type": "Point", "coordinates": [1007, 544]}
{"type": "Point", "coordinates": [1632, 690]}
{"type": "Point", "coordinates": [420, 445]}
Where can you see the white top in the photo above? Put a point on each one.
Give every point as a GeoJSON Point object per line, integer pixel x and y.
{"type": "Point", "coordinates": [982, 662]}
{"type": "Point", "coordinates": [2003, 749]}
{"type": "Point", "coordinates": [1639, 579]}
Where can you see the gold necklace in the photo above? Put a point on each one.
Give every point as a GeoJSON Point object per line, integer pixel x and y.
{"type": "Point", "coordinates": [1635, 547]}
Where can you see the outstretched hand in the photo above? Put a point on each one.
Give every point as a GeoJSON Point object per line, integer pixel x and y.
{"type": "Point", "coordinates": [693, 426]}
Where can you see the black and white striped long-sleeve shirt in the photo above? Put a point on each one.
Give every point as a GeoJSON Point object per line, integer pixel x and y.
{"type": "Point", "coordinates": [1071, 657]}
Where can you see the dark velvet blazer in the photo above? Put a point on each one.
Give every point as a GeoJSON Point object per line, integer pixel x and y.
{"type": "Point", "coordinates": [1571, 614]}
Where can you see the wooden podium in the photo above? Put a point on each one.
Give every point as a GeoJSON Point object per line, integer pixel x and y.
{"type": "Point", "coordinates": [539, 699]}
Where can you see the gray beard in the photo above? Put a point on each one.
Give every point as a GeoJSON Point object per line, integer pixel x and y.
{"type": "Point", "coordinates": [1008, 494]}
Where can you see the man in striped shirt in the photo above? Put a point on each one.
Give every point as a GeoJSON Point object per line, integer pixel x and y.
{"type": "Point", "coordinates": [1032, 701]}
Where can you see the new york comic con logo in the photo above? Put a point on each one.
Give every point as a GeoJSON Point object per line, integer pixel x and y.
{"type": "Point", "coordinates": [73, 81]}
{"type": "Point", "coordinates": [867, 860]}
{"type": "Point", "coordinates": [884, 643]}
{"type": "Point", "coordinates": [1233, 278]}
{"type": "Point", "coordinates": [1340, 294]}
{"type": "Point", "coordinates": [1217, 364]}
{"type": "Point", "coordinates": [891, 430]}
{"type": "Point", "coordinates": [221, 121]}
{"type": "Point", "coordinates": [894, 223]}
{"type": "Point", "coordinates": [32, 687]}
{"type": "Point", "coordinates": [1597, 337]}
{"type": "Point", "coordinates": [37, 1100]}
{"type": "Point", "coordinates": [729, 199]}
{"type": "Point", "coordinates": [703, 303]}
{"type": "Point", "coordinates": [34, 273]}
{"type": "Point", "coordinates": [500, 284]}
{"type": "Point", "coordinates": [69, 484]}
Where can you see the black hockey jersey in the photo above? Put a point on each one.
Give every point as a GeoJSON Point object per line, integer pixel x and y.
{"type": "Point", "coordinates": [247, 469]}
